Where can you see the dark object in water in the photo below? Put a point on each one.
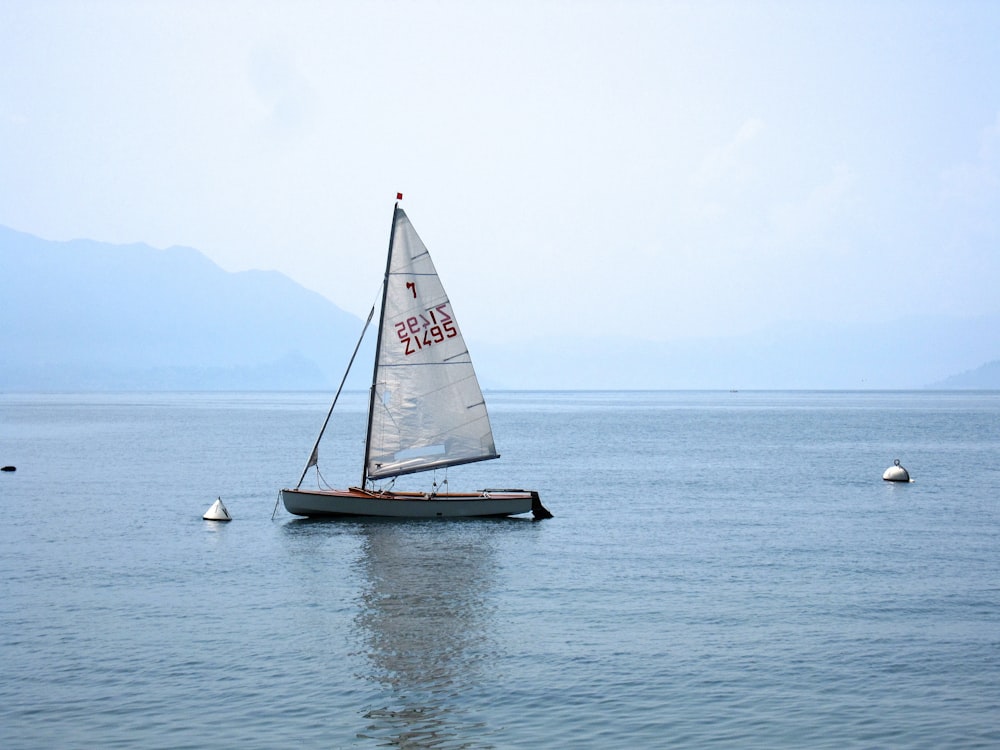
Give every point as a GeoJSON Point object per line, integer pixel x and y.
{"type": "Point", "coordinates": [8, 468]}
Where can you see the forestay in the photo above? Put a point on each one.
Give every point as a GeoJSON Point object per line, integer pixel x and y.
{"type": "Point", "coordinates": [427, 409]}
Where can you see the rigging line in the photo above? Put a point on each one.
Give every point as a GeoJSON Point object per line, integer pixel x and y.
{"type": "Point", "coordinates": [314, 455]}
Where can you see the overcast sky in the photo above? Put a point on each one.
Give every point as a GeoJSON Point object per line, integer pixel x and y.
{"type": "Point", "coordinates": [662, 169]}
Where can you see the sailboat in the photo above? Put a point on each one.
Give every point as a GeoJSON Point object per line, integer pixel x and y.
{"type": "Point", "coordinates": [425, 411]}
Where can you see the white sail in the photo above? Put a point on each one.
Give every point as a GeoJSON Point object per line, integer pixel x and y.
{"type": "Point", "coordinates": [427, 410]}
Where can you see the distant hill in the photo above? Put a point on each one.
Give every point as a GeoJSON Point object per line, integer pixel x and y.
{"type": "Point", "coordinates": [95, 316]}
{"type": "Point", "coordinates": [986, 378]}
{"type": "Point", "coordinates": [85, 315]}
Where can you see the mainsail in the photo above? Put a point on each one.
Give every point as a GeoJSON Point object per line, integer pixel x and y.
{"type": "Point", "coordinates": [427, 410]}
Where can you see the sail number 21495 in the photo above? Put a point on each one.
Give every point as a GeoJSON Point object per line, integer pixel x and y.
{"type": "Point", "coordinates": [426, 329]}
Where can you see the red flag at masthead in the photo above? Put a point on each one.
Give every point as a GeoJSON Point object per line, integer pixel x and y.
{"type": "Point", "coordinates": [399, 196]}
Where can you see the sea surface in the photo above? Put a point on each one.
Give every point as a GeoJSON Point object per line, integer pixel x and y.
{"type": "Point", "coordinates": [723, 570]}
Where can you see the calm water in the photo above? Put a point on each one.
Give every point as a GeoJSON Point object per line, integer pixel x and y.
{"type": "Point", "coordinates": [724, 570]}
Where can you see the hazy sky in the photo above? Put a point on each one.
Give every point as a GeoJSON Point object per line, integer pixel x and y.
{"type": "Point", "coordinates": [665, 169]}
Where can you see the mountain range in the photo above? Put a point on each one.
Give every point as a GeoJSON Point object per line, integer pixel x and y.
{"type": "Point", "coordinates": [85, 315]}
{"type": "Point", "coordinates": [94, 316]}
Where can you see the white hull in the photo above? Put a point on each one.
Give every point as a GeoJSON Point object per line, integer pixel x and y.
{"type": "Point", "coordinates": [356, 502]}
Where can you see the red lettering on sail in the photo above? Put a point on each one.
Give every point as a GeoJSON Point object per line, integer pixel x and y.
{"type": "Point", "coordinates": [433, 326]}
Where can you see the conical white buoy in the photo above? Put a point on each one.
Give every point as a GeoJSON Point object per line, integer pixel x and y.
{"type": "Point", "coordinates": [217, 512]}
{"type": "Point", "coordinates": [896, 473]}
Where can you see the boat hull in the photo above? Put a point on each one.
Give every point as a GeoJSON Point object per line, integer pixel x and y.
{"type": "Point", "coordinates": [358, 502]}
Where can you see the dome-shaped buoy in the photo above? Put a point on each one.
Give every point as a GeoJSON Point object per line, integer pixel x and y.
{"type": "Point", "coordinates": [896, 473]}
{"type": "Point", "coordinates": [217, 512]}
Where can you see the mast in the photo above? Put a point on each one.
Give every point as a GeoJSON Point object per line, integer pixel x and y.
{"type": "Point", "coordinates": [378, 345]}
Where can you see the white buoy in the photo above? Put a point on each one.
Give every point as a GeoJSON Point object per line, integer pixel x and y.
{"type": "Point", "coordinates": [896, 473]}
{"type": "Point", "coordinates": [217, 512]}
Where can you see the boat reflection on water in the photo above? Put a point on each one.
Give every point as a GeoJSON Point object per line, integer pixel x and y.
{"type": "Point", "coordinates": [426, 622]}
